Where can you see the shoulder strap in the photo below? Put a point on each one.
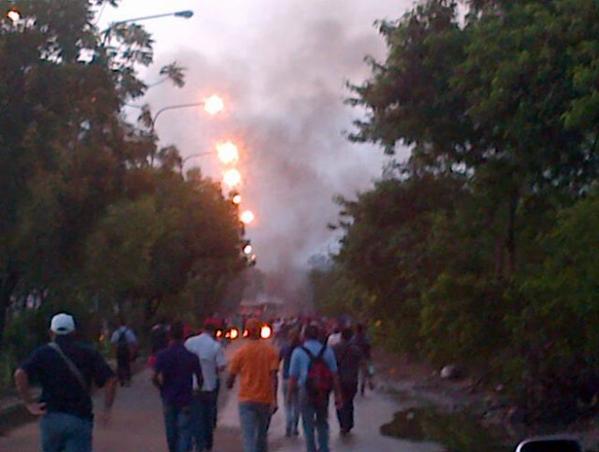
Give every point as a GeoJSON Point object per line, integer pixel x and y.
{"type": "Point", "coordinates": [70, 364]}
{"type": "Point", "coordinates": [308, 352]}
{"type": "Point", "coordinates": [321, 352]}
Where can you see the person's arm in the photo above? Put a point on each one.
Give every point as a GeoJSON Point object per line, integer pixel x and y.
{"type": "Point", "coordinates": [332, 363]}
{"type": "Point", "coordinates": [198, 372]}
{"type": "Point", "coordinates": [24, 390]}
{"type": "Point", "coordinates": [275, 388]}
{"type": "Point", "coordinates": [234, 369]}
{"type": "Point", "coordinates": [294, 371]}
{"type": "Point", "coordinates": [157, 379]}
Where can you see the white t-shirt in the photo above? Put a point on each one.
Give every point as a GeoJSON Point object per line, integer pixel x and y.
{"type": "Point", "coordinates": [129, 335]}
{"type": "Point", "coordinates": [334, 339]}
{"type": "Point", "coordinates": [212, 358]}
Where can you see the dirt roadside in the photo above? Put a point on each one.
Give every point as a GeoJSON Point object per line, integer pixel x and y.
{"type": "Point", "coordinates": [420, 385]}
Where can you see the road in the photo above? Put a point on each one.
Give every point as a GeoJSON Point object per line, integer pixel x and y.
{"type": "Point", "coordinates": [137, 425]}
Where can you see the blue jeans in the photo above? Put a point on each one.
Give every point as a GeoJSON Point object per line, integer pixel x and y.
{"type": "Point", "coordinates": [316, 423]}
{"type": "Point", "coordinates": [291, 410]}
{"type": "Point", "coordinates": [203, 411]}
{"type": "Point", "coordinates": [255, 419]}
{"type": "Point", "coordinates": [177, 423]}
{"type": "Point", "coordinates": [62, 432]}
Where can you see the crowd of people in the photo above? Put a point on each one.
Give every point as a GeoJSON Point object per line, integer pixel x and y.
{"type": "Point", "coordinates": [307, 361]}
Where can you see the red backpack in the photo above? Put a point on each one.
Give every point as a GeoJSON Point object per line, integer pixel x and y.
{"type": "Point", "coordinates": [319, 382]}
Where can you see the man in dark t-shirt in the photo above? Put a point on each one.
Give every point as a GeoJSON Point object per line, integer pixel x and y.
{"type": "Point", "coordinates": [65, 370]}
{"type": "Point", "coordinates": [349, 360]}
{"type": "Point", "coordinates": [173, 374]}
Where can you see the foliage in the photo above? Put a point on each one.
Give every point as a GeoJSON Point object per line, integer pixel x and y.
{"type": "Point", "coordinates": [95, 218]}
{"type": "Point", "coordinates": [481, 248]}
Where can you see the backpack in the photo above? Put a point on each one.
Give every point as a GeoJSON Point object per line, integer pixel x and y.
{"type": "Point", "coordinates": [319, 382]}
{"type": "Point", "coordinates": [122, 344]}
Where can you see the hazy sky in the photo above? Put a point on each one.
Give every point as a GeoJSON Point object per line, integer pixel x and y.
{"type": "Point", "coordinates": [281, 66]}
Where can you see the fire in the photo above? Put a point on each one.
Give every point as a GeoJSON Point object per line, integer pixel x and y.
{"type": "Point", "coordinates": [214, 104]}
{"type": "Point", "coordinates": [232, 178]}
{"type": "Point", "coordinates": [14, 15]}
{"type": "Point", "coordinates": [265, 332]}
{"type": "Point", "coordinates": [247, 217]}
{"type": "Point", "coordinates": [227, 152]}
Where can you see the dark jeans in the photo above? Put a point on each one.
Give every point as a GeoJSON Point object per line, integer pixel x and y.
{"type": "Point", "coordinates": [62, 432]}
{"type": "Point", "coordinates": [315, 420]}
{"type": "Point", "coordinates": [255, 419]}
{"type": "Point", "coordinates": [203, 409]}
{"type": "Point", "coordinates": [123, 366]}
{"type": "Point", "coordinates": [177, 423]}
{"type": "Point", "coordinates": [345, 414]}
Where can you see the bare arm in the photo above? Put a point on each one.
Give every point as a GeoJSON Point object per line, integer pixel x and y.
{"type": "Point", "coordinates": [337, 390]}
{"type": "Point", "coordinates": [24, 390]}
{"type": "Point", "coordinates": [231, 381]}
{"type": "Point", "coordinates": [275, 388]}
{"type": "Point", "coordinates": [157, 379]}
{"type": "Point", "coordinates": [109, 393]}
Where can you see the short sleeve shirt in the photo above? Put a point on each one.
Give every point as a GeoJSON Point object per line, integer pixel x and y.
{"type": "Point", "coordinates": [129, 335]}
{"type": "Point", "coordinates": [211, 356]}
{"type": "Point", "coordinates": [255, 363]}
{"type": "Point", "coordinates": [61, 390]}
{"type": "Point", "coordinates": [177, 366]}
{"type": "Point", "coordinates": [300, 361]}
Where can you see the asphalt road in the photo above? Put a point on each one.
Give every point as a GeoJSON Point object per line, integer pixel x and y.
{"type": "Point", "coordinates": [137, 425]}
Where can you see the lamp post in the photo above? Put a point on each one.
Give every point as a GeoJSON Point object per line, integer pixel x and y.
{"type": "Point", "coordinates": [183, 14]}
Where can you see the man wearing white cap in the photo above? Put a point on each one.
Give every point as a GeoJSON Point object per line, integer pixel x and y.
{"type": "Point", "coordinates": [66, 372]}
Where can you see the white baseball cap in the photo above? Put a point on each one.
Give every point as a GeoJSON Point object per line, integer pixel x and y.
{"type": "Point", "coordinates": [62, 324]}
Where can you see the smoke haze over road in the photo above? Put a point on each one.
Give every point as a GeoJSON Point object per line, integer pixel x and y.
{"type": "Point", "coordinates": [281, 66]}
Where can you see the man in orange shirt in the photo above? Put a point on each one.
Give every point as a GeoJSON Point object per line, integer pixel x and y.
{"type": "Point", "coordinates": [257, 364]}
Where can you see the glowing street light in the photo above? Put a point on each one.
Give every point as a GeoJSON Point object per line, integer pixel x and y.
{"type": "Point", "coordinates": [232, 178]}
{"type": "Point", "coordinates": [248, 249]}
{"type": "Point", "coordinates": [247, 217]}
{"type": "Point", "coordinates": [236, 199]}
{"type": "Point", "coordinates": [227, 152]}
{"type": "Point", "coordinates": [214, 105]}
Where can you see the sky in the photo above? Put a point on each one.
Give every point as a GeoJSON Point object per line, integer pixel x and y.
{"type": "Point", "coordinates": [282, 68]}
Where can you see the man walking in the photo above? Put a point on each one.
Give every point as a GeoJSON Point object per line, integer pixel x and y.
{"type": "Point", "coordinates": [313, 370]}
{"type": "Point", "coordinates": [203, 407]}
{"type": "Point", "coordinates": [173, 374]}
{"type": "Point", "coordinates": [125, 344]}
{"type": "Point", "coordinates": [66, 371]}
{"type": "Point", "coordinates": [256, 363]}
{"type": "Point", "coordinates": [349, 358]}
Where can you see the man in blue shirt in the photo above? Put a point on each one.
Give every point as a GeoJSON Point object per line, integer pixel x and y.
{"type": "Point", "coordinates": [66, 370]}
{"type": "Point", "coordinates": [314, 417]}
{"type": "Point", "coordinates": [173, 374]}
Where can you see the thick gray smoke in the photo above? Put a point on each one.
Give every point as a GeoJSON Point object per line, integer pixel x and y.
{"type": "Point", "coordinates": [282, 65]}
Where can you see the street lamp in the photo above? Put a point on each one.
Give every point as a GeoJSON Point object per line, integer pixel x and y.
{"type": "Point", "coordinates": [227, 152]}
{"type": "Point", "coordinates": [247, 217]}
{"type": "Point", "coordinates": [208, 104]}
{"type": "Point", "coordinates": [232, 177]}
{"type": "Point", "coordinates": [236, 199]}
{"type": "Point", "coordinates": [247, 250]}
{"type": "Point", "coordinates": [184, 14]}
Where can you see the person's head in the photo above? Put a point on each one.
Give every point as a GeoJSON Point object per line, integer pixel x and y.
{"type": "Point", "coordinates": [253, 327]}
{"type": "Point", "coordinates": [312, 332]}
{"type": "Point", "coordinates": [347, 334]}
{"type": "Point", "coordinates": [209, 327]}
{"type": "Point", "coordinates": [360, 328]}
{"type": "Point", "coordinates": [62, 325]}
{"type": "Point", "coordinates": [176, 331]}
{"type": "Point", "coordinates": [294, 337]}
